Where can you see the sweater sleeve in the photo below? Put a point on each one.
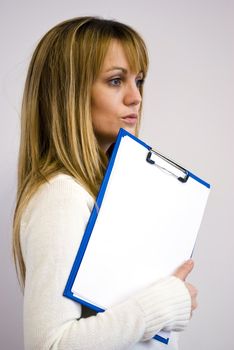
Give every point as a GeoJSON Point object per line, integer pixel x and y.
{"type": "Point", "coordinates": [51, 231]}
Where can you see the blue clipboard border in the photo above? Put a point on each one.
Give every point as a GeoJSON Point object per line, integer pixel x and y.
{"type": "Point", "coordinates": [88, 231]}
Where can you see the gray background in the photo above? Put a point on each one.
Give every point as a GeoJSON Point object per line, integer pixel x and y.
{"type": "Point", "coordinates": [188, 115]}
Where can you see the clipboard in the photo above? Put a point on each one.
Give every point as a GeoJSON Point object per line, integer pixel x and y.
{"type": "Point", "coordinates": [143, 225]}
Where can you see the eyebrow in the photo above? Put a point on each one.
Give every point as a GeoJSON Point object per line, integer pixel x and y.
{"type": "Point", "coordinates": [124, 70]}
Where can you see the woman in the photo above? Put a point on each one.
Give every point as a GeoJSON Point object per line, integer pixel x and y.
{"type": "Point", "coordinates": [84, 82]}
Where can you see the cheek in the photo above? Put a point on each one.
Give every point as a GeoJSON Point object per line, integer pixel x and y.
{"type": "Point", "coordinates": [99, 115]}
{"type": "Point", "coordinates": [104, 108]}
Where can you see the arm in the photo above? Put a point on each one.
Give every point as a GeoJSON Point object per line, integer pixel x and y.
{"type": "Point", "coordinates": [51, 230]}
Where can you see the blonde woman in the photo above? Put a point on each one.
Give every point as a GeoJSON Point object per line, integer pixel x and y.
{"type": "Point", "coordinates": [85, 81]}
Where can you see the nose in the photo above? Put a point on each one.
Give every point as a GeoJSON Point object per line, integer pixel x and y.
{"type": "Point", "coordinates": [132, 95]}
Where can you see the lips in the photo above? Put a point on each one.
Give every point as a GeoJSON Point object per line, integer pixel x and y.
{"type": "Point", "coordinates": [130, 119]}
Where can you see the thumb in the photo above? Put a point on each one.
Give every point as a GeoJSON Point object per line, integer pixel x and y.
{"type": "Point", "coordinates": [184, 269]}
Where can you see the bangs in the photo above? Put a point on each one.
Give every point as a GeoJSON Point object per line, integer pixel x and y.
{"type": "Point", "coordinates": [97, 36]}
{"type": "Point", "coordinates": [136, 53]}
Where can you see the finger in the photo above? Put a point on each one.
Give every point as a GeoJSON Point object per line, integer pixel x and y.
{"type": "Point", "coordinates": [193, 294]}
{"type": "Point", "coordinates": [183, 271]}
{"type": "Point", "coordinates": [192, 290]}
{"type": "Point", "coordinates": [194, 304]}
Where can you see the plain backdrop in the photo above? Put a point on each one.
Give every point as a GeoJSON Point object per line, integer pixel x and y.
{"type": "Point", "coordinates": [188, 115]}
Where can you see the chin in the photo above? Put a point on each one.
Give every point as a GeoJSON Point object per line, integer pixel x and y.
{"type": "Point", "coordinates": [131, 130]}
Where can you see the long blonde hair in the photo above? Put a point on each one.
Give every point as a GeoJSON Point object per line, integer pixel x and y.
{"type": "Point", "coordinates": [56, 125]}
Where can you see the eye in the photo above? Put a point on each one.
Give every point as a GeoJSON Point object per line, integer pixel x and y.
{"type": "Point", "coordinates": [115, 81]}
{"type": "Point", "coordinates": [139, 82]}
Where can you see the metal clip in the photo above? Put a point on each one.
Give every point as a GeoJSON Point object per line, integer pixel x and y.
{"type": "Point", "coordinates": [168, 165]}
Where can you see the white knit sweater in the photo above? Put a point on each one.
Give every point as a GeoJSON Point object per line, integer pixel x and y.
{"type": "Point", "coordinates": [51, 230]}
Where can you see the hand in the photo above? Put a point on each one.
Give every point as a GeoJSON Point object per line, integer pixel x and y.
{"type": "Point", "coordinates": [182, 273]}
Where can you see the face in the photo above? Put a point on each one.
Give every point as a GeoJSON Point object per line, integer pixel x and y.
{"type": "Point", "coordinates": [115, 97]}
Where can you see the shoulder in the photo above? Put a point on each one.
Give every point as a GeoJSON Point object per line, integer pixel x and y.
{"type": "Point", "coordinates": [60, 193]}
{"type": "Point", "coordinates": [65, 185]}
{"type": "Point", "coordinates": [55, 219]}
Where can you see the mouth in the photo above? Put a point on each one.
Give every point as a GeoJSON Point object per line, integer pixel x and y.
{"type": "Point", "coordinates": [130, 119]}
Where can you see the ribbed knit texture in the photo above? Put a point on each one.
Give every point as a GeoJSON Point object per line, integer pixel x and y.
{"type": "Point", "coordinates": [51, 231]}
{"type": "Point", "coordinates": [165, 305]}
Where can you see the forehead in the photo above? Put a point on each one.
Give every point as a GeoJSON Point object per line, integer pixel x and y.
{"type": "Point", "coordinates": [118, 56]}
